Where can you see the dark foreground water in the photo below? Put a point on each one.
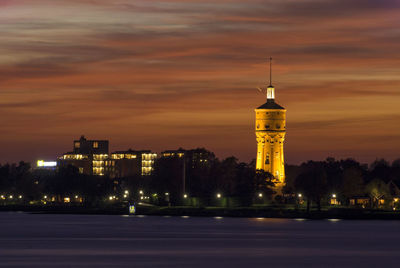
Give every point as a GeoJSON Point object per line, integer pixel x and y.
{"type": "Point", "coordinates": [33, 240]}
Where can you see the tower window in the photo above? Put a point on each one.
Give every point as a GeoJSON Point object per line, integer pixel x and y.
{"type": "Point", "coordinates": [95, 144]}
{"type": "Point", "coordinates": [278, 126]}
{"type": "Point", "coordinates": [77, 144]}
{"type": "Point", "coordinates": [266, 126]}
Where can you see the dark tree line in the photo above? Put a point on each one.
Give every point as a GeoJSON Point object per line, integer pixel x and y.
{"type": "Point", "coordinates": [205, 179]}
{"type": "Point", "coordinates": [319, 180]}
{"type": "Point", "coordinates": [32, 185]}
{"type": "Point", "coordinates": [315, 180]}
{"type": "Point", "coordinates": [197, 178]}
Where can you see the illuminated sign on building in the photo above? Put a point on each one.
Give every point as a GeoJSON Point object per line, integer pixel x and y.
{"type": "Point", "coordinates": [42, 163]}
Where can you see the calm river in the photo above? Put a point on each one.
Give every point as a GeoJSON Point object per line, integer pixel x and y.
{"type": "Point", "coordinates": [34, 240]}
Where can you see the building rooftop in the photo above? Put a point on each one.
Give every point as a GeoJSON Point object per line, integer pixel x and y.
{"type": "Point", "coordinates": [129, 151]}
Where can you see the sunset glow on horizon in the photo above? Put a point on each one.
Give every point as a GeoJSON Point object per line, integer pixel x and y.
{"type": "Point", "coordinates": [166, 74]}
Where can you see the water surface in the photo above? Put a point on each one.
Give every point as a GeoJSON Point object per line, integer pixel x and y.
{"type": "Point", "coordinates": [40, 240]}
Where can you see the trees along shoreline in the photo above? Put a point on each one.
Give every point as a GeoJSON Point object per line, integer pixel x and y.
{"type": "Point", "coordinates": [220, 183]}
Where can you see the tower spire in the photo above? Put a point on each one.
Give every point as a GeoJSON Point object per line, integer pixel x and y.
{"type": "Point", "coordinates": [270, 71]}
{"type": "Point", "coordinates": [270, 88]}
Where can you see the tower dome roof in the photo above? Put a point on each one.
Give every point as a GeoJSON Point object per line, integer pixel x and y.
{"type": "Point", "coordinates": [271, 104]}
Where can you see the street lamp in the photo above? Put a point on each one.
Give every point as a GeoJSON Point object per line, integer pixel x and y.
{"type": "Point", "coordinates": [126, 192]}
{"type": "Point", "coordinates": [218, 195]}
{"type": "Point", "coordinates": [185, 196]}
{"type": "Point", "coordinates": [166, 194]}
{"type": "Point", "coordinates": [299, 195]}
{"type": "Point", "coordinates": [260, 195]}
{"type": "Point", "coordinates": [333, 195]}
{"type": "Point", "coordinates": [141, 192]}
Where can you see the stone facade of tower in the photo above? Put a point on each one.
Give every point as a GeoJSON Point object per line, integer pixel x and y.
{"type": "Point", "coordinates": [270, 131]}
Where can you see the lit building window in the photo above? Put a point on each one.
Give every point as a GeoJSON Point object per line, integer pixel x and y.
{"type": "Point", "coordinates": [95, 144]}
{"type": "Point", "coordinates": [77, 145]}
{"type": "Point", "coordinates": [98, 171]}
{"type": "Point", "coordinates": [146, 170]}
{"type": "Point", "coordinates": [148, 163]}
{"type": "Point", "coordinates": [98, 163]}
{"type": "Point", "coordinates": [117, 156]}
{"type": "Point", "coordinates": [74, 156]}
{"type": "Point", "coordinates": [100, 156]}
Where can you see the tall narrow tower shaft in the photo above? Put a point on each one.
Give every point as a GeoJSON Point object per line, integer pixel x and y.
{"type": "Point", "coordinates": [270, 130]}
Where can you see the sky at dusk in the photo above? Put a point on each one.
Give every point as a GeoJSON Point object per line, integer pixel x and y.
{"type": "Point", "coordinates": [171, 73]}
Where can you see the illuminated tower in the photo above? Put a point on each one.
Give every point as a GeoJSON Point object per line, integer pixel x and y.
{"type": "Point", "coordinates": [270, 133]}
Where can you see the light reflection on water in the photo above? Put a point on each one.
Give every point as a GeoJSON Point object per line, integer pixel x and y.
{"type": "Point", "coordinates": [37, 240]}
